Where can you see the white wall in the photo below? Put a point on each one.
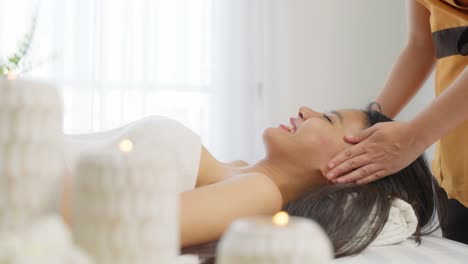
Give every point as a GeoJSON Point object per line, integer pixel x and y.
{"type": "Point", "coordinates": [332, 54]}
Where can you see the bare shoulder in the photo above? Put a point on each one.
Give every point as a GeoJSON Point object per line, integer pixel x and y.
{"type": "Point", "coordinates": [237, 163]}
{"type": "Point", "coordinates": [210, 169]}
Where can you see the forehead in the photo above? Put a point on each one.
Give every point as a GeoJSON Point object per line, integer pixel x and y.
{"type": "Point", "coordinates": [351, 118]}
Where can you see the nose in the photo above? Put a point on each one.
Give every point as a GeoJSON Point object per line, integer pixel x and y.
{"type": "Point", "coordinates": [306, 113]}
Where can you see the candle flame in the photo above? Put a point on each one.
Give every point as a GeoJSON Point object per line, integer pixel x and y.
{"type": "Point", "coordinates": [11, 76]}
{"type": "Point", "coordinates": [126, 145]}
{"type": "Point", "coordinates": [281, 219]}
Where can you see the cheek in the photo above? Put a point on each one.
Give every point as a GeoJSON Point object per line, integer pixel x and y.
{"type": "Point", "coordinates": [317, 140]}
{"type": "Point", "coordinates": [317, 135]}
{"type": "Point", "coordinates": [324, 146]}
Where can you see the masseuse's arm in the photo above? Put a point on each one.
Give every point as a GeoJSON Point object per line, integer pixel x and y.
{"type": "Point", "coordinates": [207, 211]}
{"type": "Point", "coordinates": [389, 147]}
{"type": "Point", "coordinates": [414, 64]}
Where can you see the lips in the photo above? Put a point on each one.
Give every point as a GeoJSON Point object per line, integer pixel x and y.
{"type": "Point", "coordinates": [291, 128]}
{"type": "Point", "coordinates": [285, 128]}
{"type": "Point", "coordinates": [293, 124]}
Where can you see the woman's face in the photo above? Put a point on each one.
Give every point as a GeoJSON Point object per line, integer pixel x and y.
{"type": "Point", "coordinates": [314, 138]}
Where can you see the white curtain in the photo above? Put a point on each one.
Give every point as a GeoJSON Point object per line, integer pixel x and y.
{"type": "Point", "coordinates": [117, 61]}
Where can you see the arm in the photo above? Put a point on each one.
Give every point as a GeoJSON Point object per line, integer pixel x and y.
{"type": "Point", "coordinates": [207, 211]}
{"type": "Point", "coordinates": [444, 114]}
{"type": "Point", "coordinates": [414, 64]}
{"type": "Point", "coordinates": [389, 147]}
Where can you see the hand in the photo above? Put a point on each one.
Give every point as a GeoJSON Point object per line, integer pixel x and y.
{"type": "Point", "coordinates": [381, 150]}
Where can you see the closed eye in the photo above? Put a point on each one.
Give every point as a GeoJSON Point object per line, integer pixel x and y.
{"type": "Point", "coordinates": [328, 118]}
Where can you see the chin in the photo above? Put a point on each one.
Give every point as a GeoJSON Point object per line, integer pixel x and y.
{"type": "Point", "coordinates": [273, 139]}
{"type": "Point", "coordinates": [268, 135]}
{"type": "Point", "coordinates": [268, 138]}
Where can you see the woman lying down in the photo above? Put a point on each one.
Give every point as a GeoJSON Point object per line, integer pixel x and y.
{"type": "Point", "coordinates": [291, 176]}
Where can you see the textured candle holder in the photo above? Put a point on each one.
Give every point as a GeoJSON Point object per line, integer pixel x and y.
{"type": "Point", "coordinates": [31, 150]}
{"type": "Point", "coordinates": [125, 207]}
{"type": "Point", "coordinates": [48, 240]}
{"type": "Point", "coordinates": [257, 240]}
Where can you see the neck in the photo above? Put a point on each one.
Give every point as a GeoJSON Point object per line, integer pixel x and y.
{"type": "Point", "coordinates": [287, 177]}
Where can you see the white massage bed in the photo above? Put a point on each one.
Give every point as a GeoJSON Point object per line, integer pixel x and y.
{"type": "Point", "coordinates": [433, 250]}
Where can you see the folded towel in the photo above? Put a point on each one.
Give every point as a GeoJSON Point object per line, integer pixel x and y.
{"type": "Point", "coordinates": [187, 259]}
{"type": "Point", "coordinates": [400, 225]}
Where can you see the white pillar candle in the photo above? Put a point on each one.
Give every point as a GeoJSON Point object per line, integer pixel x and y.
{"type": "Point", "coordinates": [278, 240]}
{"type": "Point", "coordinates": [31, 150]}
{"type": "Point", "coordinates": [124, 205]}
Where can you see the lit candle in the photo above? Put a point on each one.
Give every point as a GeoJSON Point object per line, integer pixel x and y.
{"type": "Point", "coordinates": [12, 75]}
{"type": "Point", "coordinates": [126, 145]}
{"type": "Point", "coordinates": [280, 219]}
{"type": "Point", "coordinates": [281, 239]}
{"type": "Point", "coordinates": [124, 205]}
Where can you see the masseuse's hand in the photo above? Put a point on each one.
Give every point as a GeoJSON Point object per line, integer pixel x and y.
{"type": "Point", "coordinates": [380, 150]}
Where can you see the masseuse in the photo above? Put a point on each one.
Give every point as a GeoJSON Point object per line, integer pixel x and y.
{"type": "Point", "coordinates": [438, 35]}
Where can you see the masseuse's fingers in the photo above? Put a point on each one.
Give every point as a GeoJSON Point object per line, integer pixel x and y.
{"type": "Point", "coordinates": [375, 176]}
{"type": "Point", "coordinates": [350, 152]}
{"type": "Point", "coordinates": [358, 160]}
{"type": "Point", "coordinates": [364, 134]}
{"type": "Point", "coordinates": [360, 173]}
{"type": "Point", "coordinates": [391, 147]}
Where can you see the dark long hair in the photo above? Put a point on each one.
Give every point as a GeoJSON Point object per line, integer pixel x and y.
{"type": "Point", "coordinates": [344, 210]}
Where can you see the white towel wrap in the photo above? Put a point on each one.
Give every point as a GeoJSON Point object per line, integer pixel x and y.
{"type": "Point", "coordinates": [187, 259]}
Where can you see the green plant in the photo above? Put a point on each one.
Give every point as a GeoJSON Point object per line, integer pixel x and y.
{"type": "Point", "coordinates": [16, 61]}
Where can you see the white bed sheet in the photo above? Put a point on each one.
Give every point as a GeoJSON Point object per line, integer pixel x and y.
{"type": "Point", "coordinates": [433, 249]}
